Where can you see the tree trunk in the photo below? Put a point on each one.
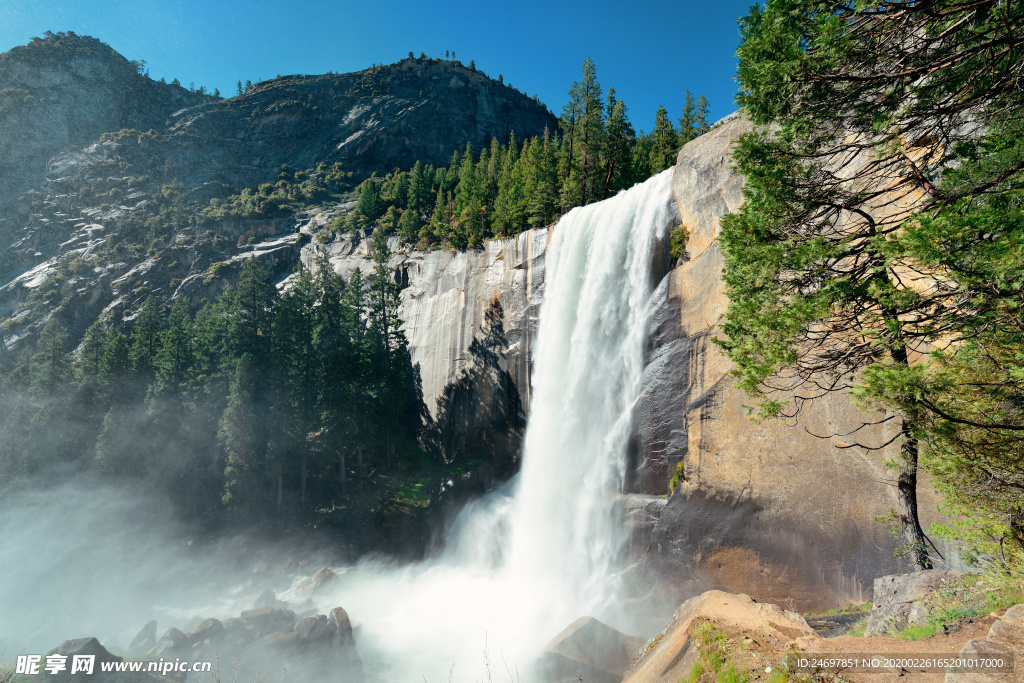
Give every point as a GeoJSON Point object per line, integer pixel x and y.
{"type": "Point", "coordinates": [913, 535]}
{"type": "Point", "coordinates": [302, 474]}
{"type": "Point", "coordinates": [341, 470]}
{"type": "Point", "coordinates": [906, 488]}
{"type": "Point", "coordinates": [608, 179]}
{"type": "Point", "coordinates": [280, 491]}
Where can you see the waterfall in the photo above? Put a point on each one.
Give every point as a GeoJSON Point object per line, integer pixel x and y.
{"type": "Point", "coordinates": [588, 363]}
{"type": "Point", "coordinates": [528, 559]}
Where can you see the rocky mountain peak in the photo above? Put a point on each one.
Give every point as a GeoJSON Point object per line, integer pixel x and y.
{"type": "Point", "coordinates": [67, 90]}
{"type": "Point", "coordinates": [105, 173]}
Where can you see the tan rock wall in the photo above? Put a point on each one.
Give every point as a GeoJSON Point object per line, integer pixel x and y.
{"type": "Point", "coordinates": [768, 509]}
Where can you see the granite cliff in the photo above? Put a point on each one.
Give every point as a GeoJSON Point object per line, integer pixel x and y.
{"type": "Point", "coordinates": [104, 169]}
{"type": "Point", "coordinates": [780, 510]}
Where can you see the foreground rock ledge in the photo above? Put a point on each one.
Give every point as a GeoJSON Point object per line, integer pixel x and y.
{"type": "Point", "coordinates": [673, 657]}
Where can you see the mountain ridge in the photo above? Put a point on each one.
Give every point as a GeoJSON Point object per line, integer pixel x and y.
{"type": "Point", "coordinates": [109, 210]}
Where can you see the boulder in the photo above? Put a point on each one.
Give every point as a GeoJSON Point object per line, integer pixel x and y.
{"type": "Point", "coordinates": [342, 628]}
{"type": "Point", "coordinates": [85, 646]}
{"type": "Point", "coordinates": [280, 641]}
{"type": "Point", "coordinates": [1009, 629]}
{"type": "Point", "coordinates": [672, 658]}
{"type": "Point", "coordinates": [235, 631]}
{"type": "Point", "coordinates": [900, 599]}
{"type": "Point", "coordinates": [145, 639]}
{"type": "Point", "coordinates": [1005, 639]}
{"type": "Point", "coordinates": [210, 630]}
{"type": "Point", "coordinates": [268, 599]}
{"type": "Point", "coordinates": [267, 620]}
{"type": "Point", "coordinates": [315, 631]}
{"type": "Point", "coordinates": [313, 583]}
{"type": "Point", "coordinates": [587, 648]}
{"type": "Point", "coordinates": [173, 643]}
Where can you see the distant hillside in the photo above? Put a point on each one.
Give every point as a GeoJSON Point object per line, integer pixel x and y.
{"type": "Point", "coordinates": [106, 174]}
{"type": "Point", "coordinates": [67, 90]}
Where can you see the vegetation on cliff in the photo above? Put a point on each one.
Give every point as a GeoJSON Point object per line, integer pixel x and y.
{"type": "Point", "coordinates": [880, 246]}
{"type": "Point", "coordinates": [507, 188]}
{"type": "Point", "coordinates": [301, 406]}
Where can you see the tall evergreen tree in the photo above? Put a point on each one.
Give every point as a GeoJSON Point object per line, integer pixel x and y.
{"type": "Point", "coordinates": [664, 143]}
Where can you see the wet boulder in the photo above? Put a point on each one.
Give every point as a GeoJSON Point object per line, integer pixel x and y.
{"type": "Point", "coordinates": [343, 637]}
{"type": "Point", "coordinates": [209, 631]}
{"type": "Point", "coordinates": [145, 639]}
{"type": "Point", "coordinates": [588, 648]}
{"type": "Point", "coordinates": [266, 620]}
{"type": "Point", "coordinates": [315, 632]}
{"type": "Point", "coordinates": [85, 647]}
{"type": "Point", "coordinates": [173, 643]}
{"type": "Point", "coordinates": [315, 582]}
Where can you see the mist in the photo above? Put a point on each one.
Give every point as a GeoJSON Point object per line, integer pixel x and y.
{"type": "Point", "coordinates": [84, 558]}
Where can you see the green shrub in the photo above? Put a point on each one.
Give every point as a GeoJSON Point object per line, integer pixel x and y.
{"type": "Point", "coordinates": [677, 241]}
{"type": "Point", "coordinates": [677, 476]}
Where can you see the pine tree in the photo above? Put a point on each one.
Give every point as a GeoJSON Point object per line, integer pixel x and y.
{"type": "Point", "coordinates": [617, 147]}
{"type": "Point", "coordinates": [369, 206]}
{"type": "Point", "coordinates": [887, 146]}
{"type": "Point", "coordinates": [90, 360]}
{"type": "Point", "coordinates": [250, 315]}
{"type": "Point", "coordinates": [146, 338]}
{"type": "Point", "coordinates": [591, 134]}
{"type": "Point", "coordinates": [419, 189]}
{"type": "Point", "coordinates": [571, 193]}
{"type": "Point", "coordinates": [701, 115]}
{"type": "Point", "coordinates": [688, 126]}
{"type": "Point", "coordinates": [297, 371]}
{"type": "Point", "coordinates": [175, 359]}
{"type": "Point", "coordinates": [242, 437]}
{"type": "Point", "coordinates": [664, 142]}
{"type": "Point", "coordinates": [409, 225]}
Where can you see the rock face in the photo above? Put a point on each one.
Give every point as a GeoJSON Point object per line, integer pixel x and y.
{"type": "Point", "coordinates": [672, 658]}
{"type": "Point", "coordinates": [68, 90]}
{"type": "Point", "coordinates": [778, 510]}
{"type": "Point", "coordinates": [90, 146]}
{"type": "Point", "coordinates": [1005, 639]}
{"type": "Point", "coordinates": [85, 647]}
{"type": "Point", "coordinates": [587, 648]}
{"type": "Point", "coordinates": [470, 319]}
{"type": "Point", "coordinates": [446, 299]}
{"type": "Point", "coordinates": [899, 600]}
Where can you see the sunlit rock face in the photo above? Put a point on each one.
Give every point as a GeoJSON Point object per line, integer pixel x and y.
{"type": "Point", "coordinates": [769, 509]}
{"type": "Point", "coordinates": [445, 299]}
{"type": "Point", "coordinates": [66, 91]}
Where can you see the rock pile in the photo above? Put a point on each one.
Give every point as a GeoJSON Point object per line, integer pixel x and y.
{"type": "Point", "coordinates": [265, 637]}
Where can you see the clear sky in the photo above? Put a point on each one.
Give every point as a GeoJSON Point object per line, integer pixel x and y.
{"type": "Point", "coordinates": [650, 51]}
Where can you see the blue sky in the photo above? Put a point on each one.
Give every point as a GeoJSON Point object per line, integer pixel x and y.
{"type": "Point", "coordinates": [650, 51]}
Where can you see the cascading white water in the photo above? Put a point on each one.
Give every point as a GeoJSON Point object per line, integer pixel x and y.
{"type": "Point", "coordinates": [521, 563]}
{"type": "Point", "coordinates": [525, 561]}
